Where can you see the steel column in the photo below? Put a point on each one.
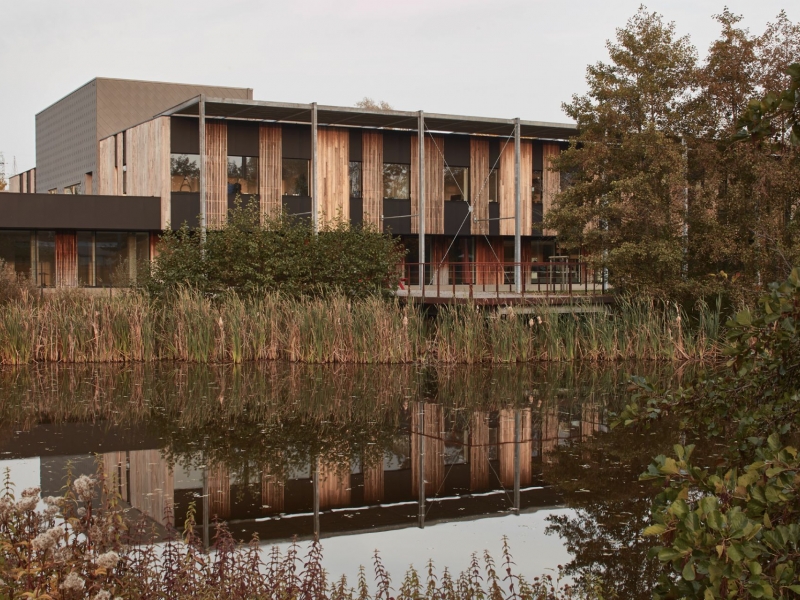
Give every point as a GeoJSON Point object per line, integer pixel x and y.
{"type": "Point", "coordinates": [202, 125]}
{"type": "Point", "coordinates": [314, 169]}
{"type": "Point", "coordinates": [517, 212]}
{"type": "Point", "coordinates": [421, 185]}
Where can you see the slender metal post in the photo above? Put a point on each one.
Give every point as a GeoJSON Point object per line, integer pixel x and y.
{"type": "Point", "coordinates": [314, 169]}
{"type": "Point", "coordinates": [421, 483]}
{"type": "Point", "coordinates": [316, 495]}
{"type": "Point", "coordinates": [516, 459]}
{"type": "Point", "coordinates": [517, 212]}
{"type": "Point", "coordinates": [202, 125]}
{"type": "Point", "coordinates": [421, 193]}
{"type": "Point", "coordinates": [206, 507]}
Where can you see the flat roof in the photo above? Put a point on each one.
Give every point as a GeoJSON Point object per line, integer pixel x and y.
{"type": "Point", "coordinates": [258, 110]}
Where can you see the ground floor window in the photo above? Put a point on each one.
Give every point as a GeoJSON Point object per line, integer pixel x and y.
{"type": "Point", "coordinates": [119, 257]}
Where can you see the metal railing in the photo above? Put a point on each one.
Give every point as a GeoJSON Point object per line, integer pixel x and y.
{"type": "Point", "coordinates": [496, 280]}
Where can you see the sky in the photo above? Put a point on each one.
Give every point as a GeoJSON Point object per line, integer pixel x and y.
{"type": "Point", "coordinates": [492, 58]}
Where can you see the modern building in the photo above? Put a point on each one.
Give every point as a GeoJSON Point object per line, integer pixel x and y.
{"type": "Point", "coordinates": [467, 195]}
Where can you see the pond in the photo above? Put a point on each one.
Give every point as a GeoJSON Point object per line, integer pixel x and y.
{"type": "Point", "coordinates": [418, 462]}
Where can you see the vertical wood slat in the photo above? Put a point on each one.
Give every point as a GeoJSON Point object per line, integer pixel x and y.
{"type": "Point", "coordinates": [272, 493]}
{"type": "Point", "coordinates": [432, 427]}
{"type": "Point", "coordinates": [152, 488]}
{"type": "Point", "coordinates": [415, 184]}
{"type": "Point", "coordinates": [479, 184]}
{"type": "Point", "coordinates": [216, 174]}
{"type": "Point", "coordinates": [106, 166]}
{"type": "Point", "coordinates": [434, 185]}
{"type": "Point", "coordinates": [526, 186]}
{"type": "Point", "coordinates": [373, 483]}
{"type": "Point", "coordinates": [219, 491]}
{"type": "Point", "coordinates": [270, 176]}
{"type": "Point", "coordinates": [372, 173]}
{"type": "Point", "coordinates": [120, 141]}
{"type": "Point", "coordinates": [115, 467]}
{"type": "Point", "coordinates": [334, 486]}
{"type": "Point", "coordinates": [549, 430]}
{"type": "Point", "coordinates": [479, 452]}
{"type": "Point", "coordinates": [507, 191]}
{"type": "Point", "coordinates": [66, 259]}
{"type": "Point", "coordinates": [505, 437]}
{"type": "Point", "coordinates": [333, 148]}
{"type": "Point", "coordinates": [489, 255]}
{"type": "Point", "coordinates": [551, 180]}
{"type": "Point", "coordinates": [148, 163]}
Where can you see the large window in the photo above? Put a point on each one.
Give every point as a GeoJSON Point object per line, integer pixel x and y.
{"type": "Point", "coordinates": [85, 258]}
{"type": "Point", "coordinates": [242, 175]}
{"type": "Point", "coordinates": [396, 181]}
{"type": "Point", "coordinates": [185, 172]}
{"type": "Point", "coordinates": [46, 258]}
{"type": "Point", "coordinates": [356, 180]}
{"type": "Point", "coordinates": [295, 176]}
{"type": "Point", "coordinates": [456, 183]}
{"type": "Point", "coordinates": [537, 188]}
{"type": "Point", "coordinates": [120, 257]}
{"type": "Point", "coordinates": [16, 251]}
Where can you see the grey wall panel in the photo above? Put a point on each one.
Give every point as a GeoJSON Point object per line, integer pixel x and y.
{"type": "Point", "coordinates": [65, 211]}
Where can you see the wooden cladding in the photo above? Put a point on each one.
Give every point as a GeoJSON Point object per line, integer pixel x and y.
{"type": "Point", "coordinates": [427, 422]}
{"type": "Point", "coordinates": [479, 184]}
{"type": "Point", "coordinates": [216, 164]}
{"type": "Point", "coordinates": [373, 483]}
{"type": "Point", "coordinates": [333, 151]}
{"type": "Point", "coordinates": [270, 154]}
{"type": "Point", "coordinates": [508, 439]}
{"type": "Point", "coordinates": [372, 173]}
{"type": "Point", "coordinates": [272, 493]}
{"type": "Point", "coordinates": [152, 484]}
{"type": "Point", "coordinates": [334, 485]}
{"type": "Point", "coordinates": [147, 149]}
{"type": "Point", "coordinates": [107, 166]}
{"type": "Point", "coordinates": [219, 491]}
{"type": "Point", "coordinates": [479, 452]}
{"type": "Point", "coordinates": [507, 191]}
{"type": "Point", "coordinates": [551, 180]}
{"type": "Point", "coordinates": [66, 259]}
{"type": "Point", "coordinates": [434, 185]}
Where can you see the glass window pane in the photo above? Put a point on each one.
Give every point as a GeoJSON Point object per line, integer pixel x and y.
{"type": "Point", "coordinates": [396, 181]}
{"type": "Point", "coordinates": [295, 176]}
{"type": "Point", "coordinates": [15, 251]}
{"type": "Point", "coordinates": [242, 175]}
{"type": "Point", "coordinates": [111, 259]}
{"type": "Point", "coordinates": [493, 186]}
{"type": "Point", "coordinates": [356, 184]}
{"type": "Point", "coordinates": [185, 172]}
{"type": "Point", "coordinates": [456, 183]}
{"type": "Point", "coordinates": [85, 258]}
{"type": "Point", "coordinates": [46, 258]}
{"type": "Point", "coordinates": [536, 190]}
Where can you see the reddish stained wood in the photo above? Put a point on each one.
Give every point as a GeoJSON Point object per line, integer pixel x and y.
{"type": "Point", "coordinates": [66, 259]}
{"type": "Point", "coordinates": [372, 173]}
{"type": "Point", "coordinates": [270, 174]}
{"type": "Point", "coordinates": [216, 174]}
{"type": "Point", "coordinates": [479, 184]}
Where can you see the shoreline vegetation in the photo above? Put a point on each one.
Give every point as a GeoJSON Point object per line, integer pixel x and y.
{"type": "Point", "coordinates": [189, 326]}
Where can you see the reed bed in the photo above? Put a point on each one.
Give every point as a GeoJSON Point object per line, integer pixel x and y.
{"type": "Point", "coordinates": [73, 327]}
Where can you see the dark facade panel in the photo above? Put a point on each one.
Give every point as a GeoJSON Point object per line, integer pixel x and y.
{"type": "Point", "coordinates": [397, 147]}
{"type": "Point", "coordinates": [65, 211]}
{"type": "Point", "coordinates": [184, 135]}
{"type": "Point", "coordinates": [456, 213]}
{"type": "Point", "coordinates": [356, 211]}
{"type": "Point", "coordinates": [494, 152]}
{"type": "Point", "coordinates": [296, 142]}
{"type": "Point", "coordinates": [356, 137]}
{"type": "Point", "coordinates": [456, 150]}
{"type": "Point", "coordinates": [297, 205]}
{"type": "Point", "coordinates": [538, 157]}
{"type": "Point", "coordinates": [397, 208]}
{"type": "Point", "coordinates": [185, 209]}
{"type": "Point", "coordinates": [242, 139]}
{"type": "Point", "coordinates": [494, 223]}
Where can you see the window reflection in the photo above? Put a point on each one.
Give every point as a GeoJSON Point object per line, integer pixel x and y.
{"type": "Point", "coordinates": [185, 172]}
{"type": "Point", "coordinates": [295, 176]}
{"type": "Point", "coordinates": [15, 251]}
{"type": "Point", "coordinates": [456, 183]}
{"type": "Point", "coordinates": [356, 180]}
{"type": "Point", "coordinates": [242, 175]}
{"type": "Point", "coordinates": [396, 181]}
{"type": "Point", "coordinates": [46, 258]}
{"type": "Point", "coordinates": [494, 188]}
{"type": "Point", "coordinates": [120, 257]}
{"type": "Point", "coordinates": [85, 258]}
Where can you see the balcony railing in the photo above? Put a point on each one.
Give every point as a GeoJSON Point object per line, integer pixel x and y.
{"type": "Point", "coordinates": [496, 280]}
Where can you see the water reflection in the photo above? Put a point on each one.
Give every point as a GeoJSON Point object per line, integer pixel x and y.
{"type": "Point", "coordinates": [286, 450]}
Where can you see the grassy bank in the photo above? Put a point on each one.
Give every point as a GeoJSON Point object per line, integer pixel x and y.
{"type": "Point", "coordinates": [74, 327]}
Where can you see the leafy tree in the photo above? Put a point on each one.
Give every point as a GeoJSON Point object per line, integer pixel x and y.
{"type": "Point", "coordinates": [369, 103]}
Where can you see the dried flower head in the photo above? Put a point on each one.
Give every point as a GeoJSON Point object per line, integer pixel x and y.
{"type": "Point", "coordinates": [31, 492]}
{"type": "Point", "coordinates": [108, 560]}
{"type": "Point", "coordinates": [27, 503]}
{"type": "Point", "coordinates": [73, 582]}
{"type": "Point", "coordinates": [102, 595]}
{"type": "Point", "coordinates": [84, 487]}
{"type": "Point", "coordinates": [43, 542]}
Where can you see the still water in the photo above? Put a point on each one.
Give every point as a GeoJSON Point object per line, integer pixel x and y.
{"type": "Point", "coordinates": [417, 462]}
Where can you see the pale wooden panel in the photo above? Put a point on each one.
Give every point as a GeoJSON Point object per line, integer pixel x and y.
{"type": "Point", "coordinates": [373, 483]}
{"type": "Point", "coordinates": [32, 186]}
{"type": "Point", "coordinates": [14, 184]}
{"type": "Point", "coordinates": [505, 192]}
{"type": "Point", "coordinates": [66, 259]}
{"type": "Point", "coordinates": [372, 173]}
{"type": "Point", "coordinates": [216, 174]}
{"type": "Point", "coordinates": [106, 166]}
{"type": "Point", "coordinates": [415, 183]}
{"type": "Point", "coordinates": [152, 488]}
{"type": "Point", "coordinates": [334, 486]}
{"type": "Point", "coordinates": [115, 466]}
{"type": "Point", "coordinates": [479, 184]}
{"type": "Point", "coordinates": [551, 180]}
{"type": "Point", "coordinates": [479, 452]}
{"type": "Point", "coordinates": [333, 150]}
{"type": "Point", "coordinates": [120, 137]}
{"type": "Point", "coordinates": [148, 167]}
{"type": "Point", "coordinates": [432, 430]}
{"type": "Point", "coordinates": [505, 437]}
{"type": "Point", "coordinates": [219, 491]}
{"type": "Point", "coordinates": [270, 154]}
{"type": "Point", "coordinates": [526, 187]}
{"type": "Point", "coordinates": [549, 430]}
{"type": "Point", "coordinates": [434, 185]}
{"type": "Point", "coordinates": [272, 493]}
{"type": "Point", "coordinates": [88, 184]}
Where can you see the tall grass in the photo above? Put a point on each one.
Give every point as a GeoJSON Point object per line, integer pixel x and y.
{"type": "Point", "coordinates": [75, 327]}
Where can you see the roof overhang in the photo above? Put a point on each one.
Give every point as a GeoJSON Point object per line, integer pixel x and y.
{"type": "Point", "coordinates": [279, 112]}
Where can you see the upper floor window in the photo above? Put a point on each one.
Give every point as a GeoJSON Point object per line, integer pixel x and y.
{"type": "Point", "coordinates": [396, 181]}
{"type": "Point", "coordinates": [295, 176]}
{"type": "Point", "coordinates": [356, 180]}
{"type": "Point", "coordinates": [494, 186]}
{"type": "Point", "coordinates": [242, 175]}
{"type": "Point", "coordinates": [75, 188]}
{"type": "Point", "coordinates": [185, 172]}
{"type": "Point", "coordinates": [537, 188]}
{"type": "Point", "coordinates": [456, 183]}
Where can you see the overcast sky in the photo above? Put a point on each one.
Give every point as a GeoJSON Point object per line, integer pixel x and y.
{"type": "Point", "coordinates": [494, 58]}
